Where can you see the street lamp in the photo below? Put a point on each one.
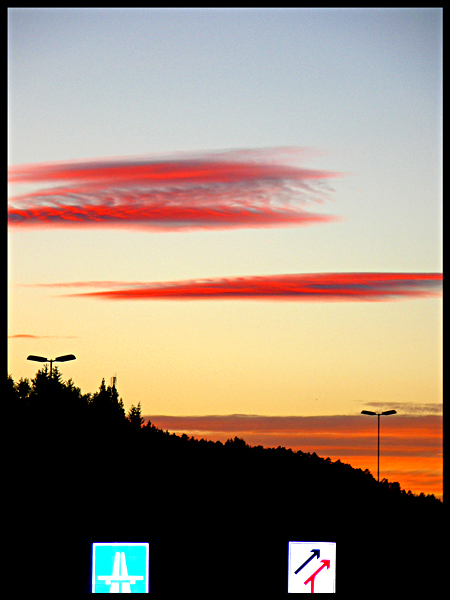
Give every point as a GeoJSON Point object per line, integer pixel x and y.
{"type": "Point", "coordinates": [385, 413]}
{"type": "Point", "coordinates": [64, 358]}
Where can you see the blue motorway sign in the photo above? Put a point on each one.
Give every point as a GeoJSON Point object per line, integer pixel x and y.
{"type": "Point", "coordinates": [120, 567]}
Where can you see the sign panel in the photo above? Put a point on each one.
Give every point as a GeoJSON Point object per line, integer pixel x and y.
{"type": "Point", "coordinates": [311, 567]}
{"type": "Point", "coordinates": [120, 568]}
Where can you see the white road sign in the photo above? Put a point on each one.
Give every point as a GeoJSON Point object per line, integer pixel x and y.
{"type": "Point", "coordinates": [311, 567]}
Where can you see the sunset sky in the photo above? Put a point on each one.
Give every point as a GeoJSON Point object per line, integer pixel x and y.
{"type": "Point", "coordinates": [237, 213]}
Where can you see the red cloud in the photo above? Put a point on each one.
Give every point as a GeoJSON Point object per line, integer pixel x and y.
{"type": "Point", "coordinates": [322, 286]}
{"type": "Point", "coordinates": [163, 218]}
{"type": "Point", "coordinates": [227, 190]}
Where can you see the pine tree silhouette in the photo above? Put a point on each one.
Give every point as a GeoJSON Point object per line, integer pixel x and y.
{"type": "Point", "coordinates": [84, 470]}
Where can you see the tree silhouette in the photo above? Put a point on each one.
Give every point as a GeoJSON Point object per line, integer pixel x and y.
{"type": "Point", "coordinates": [106, 408]}
{"type": "Point", "coordinates": [134, 416]}
{"type": "Point", "coordinates": [85, 471]}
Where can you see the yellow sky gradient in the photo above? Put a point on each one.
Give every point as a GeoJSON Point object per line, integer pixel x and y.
{"type": "Point", "coordinates": [222, 357]}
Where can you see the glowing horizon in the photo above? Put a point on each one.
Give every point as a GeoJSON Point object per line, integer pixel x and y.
{"type": "Point", "coordinates": [411, 445]}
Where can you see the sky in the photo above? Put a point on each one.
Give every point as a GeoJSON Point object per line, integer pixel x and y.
{"type": "Point", "coordinates": [237, 213]}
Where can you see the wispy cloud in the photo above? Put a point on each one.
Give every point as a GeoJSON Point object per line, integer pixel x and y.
{"type": "Point", "coordinates": [212, 190]}
{"type": "Point", "coordinates": [411, 445]}
{"type": "Point", "coordinates": [408, 407]}
{"type": "Point", "coordinates": [305, 287]}
{"type": "Point", "coordinates": [39, 337]}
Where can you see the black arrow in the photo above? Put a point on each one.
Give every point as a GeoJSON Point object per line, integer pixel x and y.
{"type": "Point", "coordinates": [314, 553]}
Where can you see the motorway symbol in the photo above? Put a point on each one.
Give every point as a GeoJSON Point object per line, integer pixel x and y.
{"type": "Point", "coordinates": [120, 568]}
{"type": "Point", "coordinates": [304, 574]}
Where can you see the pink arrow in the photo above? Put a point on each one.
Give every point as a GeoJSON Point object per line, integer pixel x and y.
{"type": "Point", "coordinates": [326, 563]}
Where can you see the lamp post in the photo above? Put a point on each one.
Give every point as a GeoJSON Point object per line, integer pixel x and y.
{"type": "Point", "coordinates": [63, 358]}
{"type": "Point", "coordinates": [385, 413]}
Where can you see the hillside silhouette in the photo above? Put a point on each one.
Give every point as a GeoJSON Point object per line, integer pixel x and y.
{"type": "Point", "coordinates": [218, 516]}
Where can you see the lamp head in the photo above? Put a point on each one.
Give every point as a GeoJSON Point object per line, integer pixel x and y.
{"type": "Point", "coordinates": [37, 358]}
{"type": "Point", "coordinates": [65, 358]}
